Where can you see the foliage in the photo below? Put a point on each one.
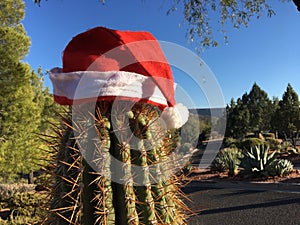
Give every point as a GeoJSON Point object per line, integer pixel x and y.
{"type": "Point", "coordinates": [191, 130]}
{"type": "Point", "coordinates": [200, 15]}
{"type": "Point", "coordinates": [280, 167]}
{"type": "Point", "coordinates": [269, 135]}
{"type": "Point", "coordinates": [286, 119]}
{"type": "Point", "coordinates": [256, 161]}
{"type": "Point", "coordinates": [254, 112]}
{"type": "Point", "coordinates": [285, 146]}
{"type": "Point", "coordinates": [248, 143]}
{"type": "Point", "coordinates": [227, 159]}
{"type": "Point", "coordinates": [19, 112]}
{"type": "Point", "coordinates": [251, 113]}
{"type": "Point", "coordinates": [24, 102]}
{"type": "Point", "coordinates": [185, 150]}
{"type": "Point", "coordinates": [230, 142]}
{"type": "Point", "coordinates": [195, 130]}
{"type": "Point", "coordinates": [260, 109]}
{"type": "Point", "coordinates": [238, 119]}
{"type": "Point", "coordinates": [27, 207]}
{"type": "Point", "coordinates": [8, 190]}
{"type": "Point", "coordinates": [273, 143]}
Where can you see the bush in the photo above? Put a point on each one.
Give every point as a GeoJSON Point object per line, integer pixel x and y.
{"type": "Point", "coordinates": [249, 143]}
{"type": "Point", "coordinates": [27, 206]}
{"type": "Point", "coordinates": [8, 190]}
{"type": "Point", "coordinates": [230, 143]}
{"type": "Point", "coordinates": [227, 159]}
{"type": "Point", "coordinates": [285, 146]}
{"type": "Point", "coordinates": [269, 135]}
{"type": "Point", "coordinates": [280, 167]}
{"type": "Point", "coordinates": [273, 143]}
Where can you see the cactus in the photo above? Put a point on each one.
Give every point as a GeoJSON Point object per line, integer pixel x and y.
{"type": "Point", "coordinates": [88, 186]}
{"type": "Point", "coordinates": [256, 161]}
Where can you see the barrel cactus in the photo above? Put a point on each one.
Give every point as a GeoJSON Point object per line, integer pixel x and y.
{"type": "Point", "coordinates": [90, 189]}
{"type": "Point", "coordinates": [114, 160]}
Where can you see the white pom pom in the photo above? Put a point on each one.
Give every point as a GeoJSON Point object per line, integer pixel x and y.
{"type": "Point", "coordinates": [175, 117]}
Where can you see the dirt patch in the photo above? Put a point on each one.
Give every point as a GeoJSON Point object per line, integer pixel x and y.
{"type": "Point", "coordinates": [197, 174]}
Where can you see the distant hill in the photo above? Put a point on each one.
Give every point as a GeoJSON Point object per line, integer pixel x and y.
{"type": "Point", "coordinates": [207, 112]}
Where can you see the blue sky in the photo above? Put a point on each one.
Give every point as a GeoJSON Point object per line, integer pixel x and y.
{"type": "Point", "coordinates": [267, 52]}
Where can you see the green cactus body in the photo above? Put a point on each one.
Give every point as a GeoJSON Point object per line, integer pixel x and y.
{"type": "Point", "coordinates": [85, 190]}
{"type": "Point", "coordinates": [67, 177]}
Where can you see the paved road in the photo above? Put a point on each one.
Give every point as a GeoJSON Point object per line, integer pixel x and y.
{"type": "Point", "coordinates": [204, 158]}
{"type": "Point", "coordinates": [243, 207]}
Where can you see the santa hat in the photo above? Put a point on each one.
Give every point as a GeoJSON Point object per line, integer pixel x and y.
{"type": "Point", "coordinates": [105, 64]}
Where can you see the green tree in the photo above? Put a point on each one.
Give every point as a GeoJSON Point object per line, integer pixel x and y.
{"type": "Point", "coordinates": [274, 120]}
{"type": "Point", "coordinates": [286, 119]}
{"type": "Point", "coordinates": [20, 100]}
{"type": "Point", "coordinates": [259, 106]}
{"type": "Point", "coordinates": [253, 112]}
{"type": "Point", "coordinates": [194, 127]}
{"type": "Point", "coordinates": [238, 119]}
{"type": "Point", "coordinates": [45, 100]}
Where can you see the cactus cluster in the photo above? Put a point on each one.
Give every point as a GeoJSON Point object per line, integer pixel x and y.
{"type": "Point", "coordinates": [113, 166]}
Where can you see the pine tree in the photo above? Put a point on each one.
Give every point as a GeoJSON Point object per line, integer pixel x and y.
{"type": "Point", "coordinates": [259, 105]}
{"type": "Point", "coordinates": [238, 119]}
{"type": "Point", "coordinates": [287, 117]}
{"type": "Point", "coordinates": [20, 103]}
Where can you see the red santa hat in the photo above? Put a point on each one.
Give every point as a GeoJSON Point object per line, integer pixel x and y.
{"type": "Point", "coordinates": [105, 64]}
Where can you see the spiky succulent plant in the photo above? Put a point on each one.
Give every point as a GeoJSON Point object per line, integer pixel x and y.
{"type": "Point", "coordinates": [280, 167]}
{"type": "Point", "coordinates": [227, 159]}
{"type": "Point", "coordinates": [256, 161]}
{"type": "Point", "coordinates": [114, 166]}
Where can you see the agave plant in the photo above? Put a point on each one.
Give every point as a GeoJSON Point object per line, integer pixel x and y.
{"type": "Point", "coordinates": [227, 159]}
{"type": "Point", "coordinates": [90, 188]}
{"type": "Point", "coordinates": [280, 167]}
{"type": "Point", "coordinates": [256, 161]}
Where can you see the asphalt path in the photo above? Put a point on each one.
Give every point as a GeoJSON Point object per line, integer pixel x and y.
{"type": "Point", "coordinates": [217, 206]}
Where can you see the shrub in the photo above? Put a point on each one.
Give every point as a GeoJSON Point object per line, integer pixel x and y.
{"type": "Point", "coordinates": [26, 205]}
{"type": "Point", "coordinates": [8, 190]}
{"type": "Point", "coordinates": [269, 135]}
{"type": "Point", "coordinates": [285, 146]}
{"type": "Point", "coordinates": [230, 143]}
{"type": "Point", "coordinates": [273, 143]}
{"type": "Point", "coordinates": [227, 159]}
{"type": "Point", "coordinates": [256, 161]}
{"type": "Point", "coordinates": [248, 143]}
{"type": "Point", "coordinates": [280, 167]}
{"type": "Point", "coordinates": [186, 150]}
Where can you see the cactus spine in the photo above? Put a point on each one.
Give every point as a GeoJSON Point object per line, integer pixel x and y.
{"type": "Point", "coordinates": [86, 190]}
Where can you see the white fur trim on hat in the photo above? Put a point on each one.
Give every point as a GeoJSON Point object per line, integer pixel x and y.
{"type": "Point", "coordinates": [175, 117]}
{"type": "Point", "coordinates": [82, 85]}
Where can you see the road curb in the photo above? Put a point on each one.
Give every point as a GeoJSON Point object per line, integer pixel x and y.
{"type": "Point", "coordinates": [260, 186]}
